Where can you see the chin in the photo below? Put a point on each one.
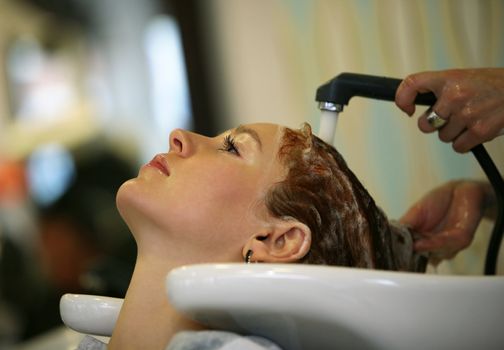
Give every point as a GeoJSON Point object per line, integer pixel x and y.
{"type": "Point", "coordinates": [129, 202]}
{"type": "Point", "coordinates": [124, 195]}
{"type": "Point", "coordinates": [139, 206]}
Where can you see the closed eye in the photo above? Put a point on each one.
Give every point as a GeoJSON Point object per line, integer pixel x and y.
{"type": "Point", "coordinates": [229, 145]}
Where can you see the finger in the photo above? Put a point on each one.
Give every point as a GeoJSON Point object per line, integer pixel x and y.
{"type": "Point", "coordinates": [481, 130]}
{"type": "Point", "coordinates": [423, 121]}
{"type": "Point", "coordinates": [417, 218]}
{"type": "Point", "coordinates": [413, 217]}
{"type": "Point", "coordinates": [415, 84]}
{"type": "Point", "coordinates": [434, 259]}
{"type": "Point", "coordinates": [453, 128]}
{"type": "Point", "coordinates": [429, 212]}
{"type": "Point", "coordinates": [429, 243]}
{"type": "Point", "coordinates": [465, 142]}
{"type": "Point", "coordinates": [446, 110]}
{"type": "Point", "coordinates": [442, 244]}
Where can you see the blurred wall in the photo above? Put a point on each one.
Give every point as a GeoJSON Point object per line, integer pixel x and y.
{"type": "Point", "coordinates": [266, 59]}
{"type": "Point", "coordinates": [269, 56]}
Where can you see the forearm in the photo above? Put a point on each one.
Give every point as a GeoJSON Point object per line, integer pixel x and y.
{"type": "Point", "coordinates": [488, 200]}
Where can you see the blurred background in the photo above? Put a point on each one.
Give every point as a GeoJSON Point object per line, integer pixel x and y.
{"type": "Point", "coordinates": [89, 91]}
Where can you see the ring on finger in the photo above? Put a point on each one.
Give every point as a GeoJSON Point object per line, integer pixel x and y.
{"type": "Point", "coordinates": [435, 120]}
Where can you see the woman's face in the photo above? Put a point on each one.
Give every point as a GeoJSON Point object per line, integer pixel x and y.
{"type": "Point", "coordinates": [205, 195]}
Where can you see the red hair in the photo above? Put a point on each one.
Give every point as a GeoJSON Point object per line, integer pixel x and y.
{"type": "Point", "coordinates": [319, 190]}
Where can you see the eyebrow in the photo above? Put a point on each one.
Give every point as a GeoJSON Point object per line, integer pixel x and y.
{"type": "Point", "coordinates": [244, 130]}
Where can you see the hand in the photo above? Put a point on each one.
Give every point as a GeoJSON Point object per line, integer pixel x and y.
{"type": "Point", "coordinates": [471, 100]}
{"type": "Point", "coordinates": [446, 218]}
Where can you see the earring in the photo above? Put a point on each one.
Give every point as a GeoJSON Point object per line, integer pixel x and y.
{"type": "Point", "coordinates": [248, 256]}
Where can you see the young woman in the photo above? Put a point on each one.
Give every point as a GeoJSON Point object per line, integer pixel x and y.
{"type": "Point", "coordinates": [260, 192]}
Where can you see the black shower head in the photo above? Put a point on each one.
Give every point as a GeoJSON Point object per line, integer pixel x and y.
{"type": "Point", "coordinates": [336, 93]}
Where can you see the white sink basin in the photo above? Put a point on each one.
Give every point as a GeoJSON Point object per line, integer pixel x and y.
{"type": "Point", "coordinates": [321, 307]}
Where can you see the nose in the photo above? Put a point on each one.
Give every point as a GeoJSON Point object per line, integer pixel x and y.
{"type": "Point", "coordinates": [181, 142]}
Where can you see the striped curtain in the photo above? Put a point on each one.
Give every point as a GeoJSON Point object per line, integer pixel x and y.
{"type": "Point", "coordinates": [271, 55]}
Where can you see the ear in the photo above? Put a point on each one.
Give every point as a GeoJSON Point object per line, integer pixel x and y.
{"type": "Point", "coordinates": [286, 241]}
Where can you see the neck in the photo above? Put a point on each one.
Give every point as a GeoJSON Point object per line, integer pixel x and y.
{"type": "Point", "coordinates": [147, 320]}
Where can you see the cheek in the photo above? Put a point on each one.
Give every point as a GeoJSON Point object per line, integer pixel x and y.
{"type": "Point", "coordinates": [212, 203]}
{"type": "Point", "coordinates": [218, 208]}
{"type": "Point", "coordinates": [221, 191]}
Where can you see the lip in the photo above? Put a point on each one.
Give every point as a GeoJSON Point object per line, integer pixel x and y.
{"type": "Point", "coordinates": [159, 163]}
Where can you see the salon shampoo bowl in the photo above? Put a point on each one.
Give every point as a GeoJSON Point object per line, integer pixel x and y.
{"type": "Point", "coordinates": [321, 307]}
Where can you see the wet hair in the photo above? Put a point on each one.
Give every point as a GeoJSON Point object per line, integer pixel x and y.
{"type": "Point", "coordinates": [319, 190]}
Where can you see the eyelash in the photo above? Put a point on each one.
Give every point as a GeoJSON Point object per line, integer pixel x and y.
{"type": "Point", "coordinates": [229, 145]}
